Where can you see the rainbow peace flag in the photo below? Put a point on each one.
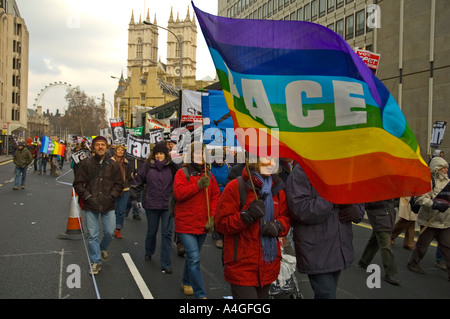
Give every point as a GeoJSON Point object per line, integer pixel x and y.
{"type": "Point", "coordinates": [49, 146]}
{"type": "Point", "coordinates": [318, 103]}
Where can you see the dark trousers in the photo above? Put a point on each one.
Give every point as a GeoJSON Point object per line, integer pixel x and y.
{"type": "Point", "coordinates": [423, 242]}
{"type": "Point", "coordinates": [324, 285]}
{"type": "Point", "coordinates": [249, 292]}
{"type": "Point", "coordinates": [381, 241]}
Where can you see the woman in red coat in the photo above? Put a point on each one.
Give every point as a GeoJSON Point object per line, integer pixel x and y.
{"type": "Point", "coordinates": [191, 215]}
{"type": "Point", "coordinates": [251, 249]}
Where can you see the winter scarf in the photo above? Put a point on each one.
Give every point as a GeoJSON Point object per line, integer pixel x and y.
{"type": "Point", "coordinates": [269, 244]}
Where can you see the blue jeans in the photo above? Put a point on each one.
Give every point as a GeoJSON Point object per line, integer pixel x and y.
{"type": "Point", "coordinates": [92, 226]}
{"type": "Point", "coordinates": [121, 207]}
{"type": "Point", "coordinates": [324, 285]}
{"type": "Point", "coordinates": [153, 218]}
{"type": "Point", "coordinates": [192, 275]}
{"type": "Point", "coordinates": [20, 171]}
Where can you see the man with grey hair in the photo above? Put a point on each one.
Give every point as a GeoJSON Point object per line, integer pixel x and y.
{"type": "Point", "coordinates": [433, 218]}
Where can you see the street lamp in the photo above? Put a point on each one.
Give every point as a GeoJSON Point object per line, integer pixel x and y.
{"type": "Point", "coordinates": [179, 44]}
{"type": "Point", "coordinates": [112, 110]}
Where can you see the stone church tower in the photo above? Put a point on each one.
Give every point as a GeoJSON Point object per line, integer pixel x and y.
{"type": "Point", "coordinates": [186, 30]}
{"type": "Point", "coordinates": [149, 82]}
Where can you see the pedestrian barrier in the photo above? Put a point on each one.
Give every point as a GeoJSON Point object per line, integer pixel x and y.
{"type": "Point", "coordinates": [74, 225]}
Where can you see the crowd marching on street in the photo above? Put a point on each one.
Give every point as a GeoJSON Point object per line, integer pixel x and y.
{"type": "Point", "coordinates": [256, 211]}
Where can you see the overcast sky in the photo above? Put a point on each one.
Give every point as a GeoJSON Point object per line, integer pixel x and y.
{"type": "Point", "coordinates": [84, 42]}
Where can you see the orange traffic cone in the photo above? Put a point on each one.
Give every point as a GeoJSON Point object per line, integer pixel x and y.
{"type": "Point", "coordinates": [74, 225]}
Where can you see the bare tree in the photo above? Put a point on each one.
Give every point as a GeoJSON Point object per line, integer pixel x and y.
{"type": "Point", "coordinates": [83, 116]}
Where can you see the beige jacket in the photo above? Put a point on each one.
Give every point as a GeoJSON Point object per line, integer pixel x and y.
{"type": "Point", "coordinates": [404, 210]}
{"type": "Point", "coordinates": [442, 220]}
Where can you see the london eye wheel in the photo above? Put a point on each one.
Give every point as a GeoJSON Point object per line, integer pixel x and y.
{"type": "Point", "coordinates": [52, 97]}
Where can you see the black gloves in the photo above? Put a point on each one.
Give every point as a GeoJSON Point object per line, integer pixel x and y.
{"type": "Point", "coordinates": [255, 211]}
{"type": "Point", "coordinates": [203, 182]}
{"type": "Point", "coordinates": [348, 213]}
{"type": "Point", "coordinates": [271, 229]}
{"type": "Point", "coordinates": [440, 206]}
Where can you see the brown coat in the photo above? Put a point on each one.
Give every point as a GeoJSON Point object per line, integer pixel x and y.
{"type": "Point", "coordinates": [100, 193]}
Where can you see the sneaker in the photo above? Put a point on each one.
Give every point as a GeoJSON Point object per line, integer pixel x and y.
{"type": "Point", "coordinates": [167, 270]}
{"type": "Point", "coordinates": [188, 291]}
{"type": "Point", "coordinates": [94, 269]}
{"type": "Point", "coordinates": [23, 187]}
{"type": "Point", "coordinates": [117, 234]}
{"type": "Point", "coordinates": [105, 255]}
{"type": "Point", "coordinates": [16, 188]}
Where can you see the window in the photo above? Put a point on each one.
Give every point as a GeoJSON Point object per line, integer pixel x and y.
{"type": "Point", "coordinates": [307, 12]}
{"type": "Point", "coordinates": [275, 5]}
{"type": "Point", "coordinates": [264, 16]}
{"type": "Point", "coordinates": [331, 26]}
{"type": "Point", "coordinates": [286, 3]}
{"type": "Point", "coordinates": [269, 8]}
{"type": "Point", "coordinates": [349, 27]}
{"type": "Point", "coordinates": [360, 22]}
{"type": "Point", "coordinates": [313, 10]}
{"type": "Point", "coordinates": [340, 27]}
{"type": "Point", "coordinates": [322, 7]}
{"type": "Point", "coordinates": [280, 4]}
{"type": "Point", "coordinates": [177, 49]}
{"type": "Point", "coordinates": [330, 6]}
{"type": "Point", "coordinates": [339, 3]}
{"type": "Point", "coordinates": [293, 16]}
{"type": "Point", "coordinates": [139, 49]}
{"type": "Point", "coordinates": [300, 14]}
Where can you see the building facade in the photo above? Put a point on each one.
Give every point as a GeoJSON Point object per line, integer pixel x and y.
{"type": "Point", "coordinates": [411, 36]}
{"type": "Point", "coordinates": [149, 82]}
{"type": "Point", "coordinates": [14, 53]}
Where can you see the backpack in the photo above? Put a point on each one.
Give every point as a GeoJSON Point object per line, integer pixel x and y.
{"type": "Point", "coordinates": [412, 201]}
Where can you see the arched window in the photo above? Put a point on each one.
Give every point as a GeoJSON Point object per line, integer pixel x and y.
{"type": "Point", "coordinates": [139, 49]}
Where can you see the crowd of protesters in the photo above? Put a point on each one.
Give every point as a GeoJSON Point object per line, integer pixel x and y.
{"type": "Point", "coordinates": [247, 207]}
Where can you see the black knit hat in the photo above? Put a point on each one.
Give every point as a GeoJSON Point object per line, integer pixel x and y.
{"type": "Point", "coordinates": [162, 148]}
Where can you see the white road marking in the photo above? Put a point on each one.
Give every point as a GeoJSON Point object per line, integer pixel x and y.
{"type": "Point", "coordinates": [137, 277]}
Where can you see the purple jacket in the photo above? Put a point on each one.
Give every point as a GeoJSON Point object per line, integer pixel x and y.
{"type": "Point", "coordinates": [159, 181]}
{"type": "Point", "coordinates": [322, 243]}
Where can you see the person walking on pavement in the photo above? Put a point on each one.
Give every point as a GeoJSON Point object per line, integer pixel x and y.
{"type": "Point", "coordinates": [381, 216]}
{"type": "Point", "coordinates": [323, 236]}
{"type": "Point", "coordinates": [157, 174]}
{"type": "Point", "coordinates": [22, 158]}
{"type": "Point", "coordinates": [98, 182]}
{"type": "Point", "coordinates": [252, 225]}
{"type": "Point", "coordinates": [121, 201]}
{"type": "Point", "coordinates": [196, 194]}
{"type": "Point", "coordinates": [406, 222]}
{"type": "Point", "coordinates": [433, 218]}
